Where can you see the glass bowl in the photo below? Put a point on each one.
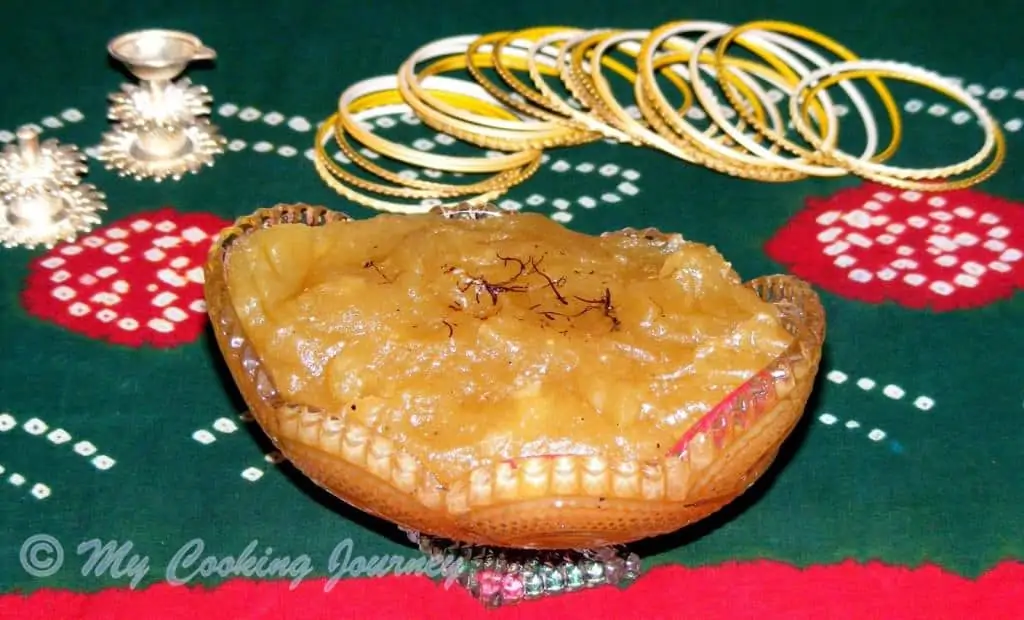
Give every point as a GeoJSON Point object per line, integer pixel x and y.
{"type": "Point", "coordinates": [555, 502]}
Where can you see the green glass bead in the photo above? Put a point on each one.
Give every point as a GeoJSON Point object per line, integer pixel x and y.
{"type": "Point", "coordinates": [574, 577]}
{"type": "Point", "coordinates": [533, 584]}
{"type": "Point", "coordinates": [554, 581]}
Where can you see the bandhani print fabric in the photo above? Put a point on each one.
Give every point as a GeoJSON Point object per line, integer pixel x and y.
{"type": "Point", "coordinates": [138, 281]}
{"type": "Point", "coordinates": [943, 251]}
{"type": "Point", "coordinates": [764, 589]}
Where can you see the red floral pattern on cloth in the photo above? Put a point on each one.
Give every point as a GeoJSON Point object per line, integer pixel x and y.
{"type": "Point", "coordinates": [944, 251]}
{"type": "Point", "coordinates": [766, 590]}
{"type": "Point", "coordinates": [134, 282]}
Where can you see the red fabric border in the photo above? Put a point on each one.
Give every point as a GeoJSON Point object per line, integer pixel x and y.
{"type": "Point", "coordinates": [762, 589]}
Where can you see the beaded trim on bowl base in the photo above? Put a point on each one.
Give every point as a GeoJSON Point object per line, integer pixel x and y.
{"type": "Point", "coordinates": [501, 577]}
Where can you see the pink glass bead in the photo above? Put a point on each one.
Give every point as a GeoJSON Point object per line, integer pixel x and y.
{"type": "Point", "coordinates": [490, 583]}
{"type": "Point", "coordinates": [512, 587]}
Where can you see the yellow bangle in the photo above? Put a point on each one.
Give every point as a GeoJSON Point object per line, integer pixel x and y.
{"type": "Point", "coordinates": [594, 88]}
{"type": "Point", "coordinates": [475, 129]}
{"type": "Point", "coordinates": [466, 101]}
{"type": "Point", "coordinates": [530, 36]}
{"type": "Point", "coordinates": [420, 189]}
{"type": "Point", "coordinates": [905, 178]}
{"type": "Point", "coordinates": [556, 102]}
{"type": "Point", "coordinates": [499, 44]}
{"type": "Point", "coordinates": [406, 154]}
{"type": "Point", "coordinates": [554, 107]}
{"type": "Point", "coordinates": [580, 82]}
{"type": "Point", "coordinates": [821, 40]}
{"type": "Point", "coordinates": [782, 75]}
{"type": "Point", "coordinates": [659, 114]}
{"type": "Point", "coordinates": [757, 151]}
{"type": "Point", "coordinates": [322, 164]}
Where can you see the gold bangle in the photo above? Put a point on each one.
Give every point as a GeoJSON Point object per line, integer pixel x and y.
{"type": "Point", "coordinates": [905, 178]}
{"type": "Point", "coordinates": [530, 35]}
{"type": "Point", "coordinates": [581, 82]}
{"type": "Point", "coordinates": [393, 97]}
{"type": "Point", "coordinates": [495, 139]}
{"type": "Point", "coordinates": [531, 134]}
{"type": "Point", "coordinates": [657, 111]}
{"type": "Point", "coordinates": [546, 96]}
{"type": "Point", "coordinates": [451, 49]}
{"type": "Point", "coordinates": [554, 101]}
{"type": "Point", "coordinates": [576, 81]}
{"type": "Point", "coordinates": [702, 156]}
{"type": "Point", "coordinates": [661, 106]}
{"type": "Point", "coordinates": [708, 158]}
{"type": "Point", "coordinates": [322, 162]}
{"type": "Point", "coordinates": [821, 40]}
{"type": "Point", "coordinates": [540, 99]}
{"type": "Point", "coordinates": [403, 153]}
{"type": "Point", "coordinates": [619, 118]}
{"type": "Point", "coordinates": [593, 86]}
{"type": "Point", "coordinates": [758, 152]}
{"type": "Point", "coordinates": [497, 62]}
{"type": "Point", "coordinates": [411, 188]}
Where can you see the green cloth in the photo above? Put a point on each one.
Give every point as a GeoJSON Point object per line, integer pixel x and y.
{"type": "Point", "coordinates": [944, 485]}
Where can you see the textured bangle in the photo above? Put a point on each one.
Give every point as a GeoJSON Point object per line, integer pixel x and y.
{"type": "Point", "coordinates": [597, 87]}
{"type": "Point", "coordinates": [768, 30]}
{"type": "Point", "coordinates": [802, 163]}
{"type": "Point", "coordinates": [476, 129]}
{"type": "Point", "coordinates": [658, 112]}
{"type": "Point", "coordinates": [525, 39]}
{"type": "Point", "coordinates": [571, 57]}
{"type": "Point", "coordinates": [625, 122]}
{"type": "Point", "coordinates": [712, 107]}
{"type": "Point", "coordinates": [554, 101]}
{"type": "Point", "coordinates": [460, 45]}
{"type": "Point", "coordinates": [501, 46]}
{"type": "Point", "coordinates": [386, 102]}
{"type": "Point", "coordinates": [550, 53]}
{"type": "Point", "coordinates": [321, 164]}
{"type": "Point", "coordinates": [581, 79]}
{"type": "Point", "coordinates": [400, 152]}
{"type": "Point", "coordinates": [993, 146]}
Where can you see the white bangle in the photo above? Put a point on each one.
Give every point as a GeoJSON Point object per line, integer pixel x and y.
{"type": "Point", "coordinates": [404, 153]}
{"type": "Point", "coordinates": [455, 46]}
{"type": "Point", "coordinates": [556, 101]}
{"type": "Point", "coordinates": [799, 164]}
{"type": "Point", "coordinates": [630, 125]}
{"type": "Point", "coordinates": [904, 72]}
{"type": "Point", "coordinates": [423, 205]}
{"type": "Point", "coordinates": [647, 87]}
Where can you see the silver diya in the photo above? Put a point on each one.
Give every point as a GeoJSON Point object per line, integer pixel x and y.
{"type": "Point", "coordinates": [42, 199]}
{"type": "Point", "coordinates": [161, 126]}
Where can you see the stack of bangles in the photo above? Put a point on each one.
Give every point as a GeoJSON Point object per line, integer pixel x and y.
{"type": "Point", "coordinates": [552, 90]}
